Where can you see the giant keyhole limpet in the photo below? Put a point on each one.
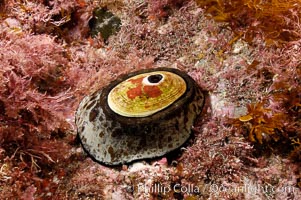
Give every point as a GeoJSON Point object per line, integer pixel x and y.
{"type": "Point", "coordinates": [143, 114]}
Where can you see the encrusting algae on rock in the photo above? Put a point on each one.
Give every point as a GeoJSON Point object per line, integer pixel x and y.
{"type": "Point", "coordinates": [144, 114]}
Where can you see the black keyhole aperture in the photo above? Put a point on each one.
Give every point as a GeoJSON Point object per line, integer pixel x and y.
{"type": "Point", "coordinates": [155, 78]}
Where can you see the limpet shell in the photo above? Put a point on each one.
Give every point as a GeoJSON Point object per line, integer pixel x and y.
{"type": "Point", "coordinates": [145, 94]}
{"type": "Point", "coordinates": [144, 114]}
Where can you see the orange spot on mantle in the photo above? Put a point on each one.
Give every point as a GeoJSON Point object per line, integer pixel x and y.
{"type": "Point", "coordinates": [137, 81]}
{"type": "Point", "coordinates": [151, 91]}
{"type": "Point", "coordinates": [134, 92]}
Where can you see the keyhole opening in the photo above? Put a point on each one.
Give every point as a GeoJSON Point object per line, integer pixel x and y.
{"type": "Point", "coordinates": [155, 78]}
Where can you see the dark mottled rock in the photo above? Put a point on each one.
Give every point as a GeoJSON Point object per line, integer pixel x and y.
{"type": "Point", "coordinates": [104, 22]}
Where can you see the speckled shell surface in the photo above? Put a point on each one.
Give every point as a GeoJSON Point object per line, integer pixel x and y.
{"type": "Point", "coordinates": [113, 139]}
